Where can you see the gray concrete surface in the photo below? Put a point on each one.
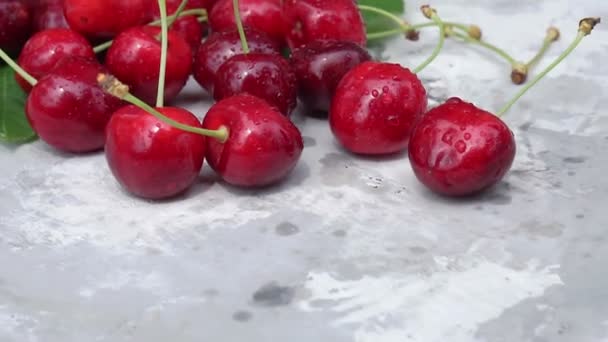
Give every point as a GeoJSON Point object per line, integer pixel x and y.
{"type": "Point", "coordinates": [349, 249]}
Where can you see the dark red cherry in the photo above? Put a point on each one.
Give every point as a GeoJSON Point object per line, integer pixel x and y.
{"type": "Point", "coordinates": [134, 58]}
{"type": "Point", "coordinates": [375, 108]}
{"type": "Point", "coordinates": [151, 159]}
{"type": "Point", "coordinates": [262, 15]}
{"type": "Point", "coordinates": [319, 67]}
{"type": "Point", "coordinates": [68, 110]}
{"type": "Point", "coordinates": [49, 14]}
{"type": "Point", "coordinates": [458, 149]}
{"type": "Point", "coordinates": [269, 77]}
{"type": "Point", "coordinates": [188, 26]}
{"type": "Point", "coordinates": [46, 48]}
{"type": "Point", "coordinates": [15, 25]}
{"type": "Point", "coordinates": [262, 148]}
{"type": "Point", "coordinates": [220, 46]}
{"type": "Point", "coordinates": [310, 20]}
{"type": "Point", "coordinates": [104, 19]}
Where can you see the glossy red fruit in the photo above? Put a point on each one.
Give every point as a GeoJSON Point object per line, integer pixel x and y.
{"type": "Point", "coordinates": [15, 24]}
{"type": "Point", "coordinates": [320, 66]}
{"type": "Point", "coordinates": [261, 15]}
{"type": "Point", "coordinates": [46, 48]}
{"type": "Point", "coordinates": [49, 14]}
{"type": "Point", "coordinates": [104, 19]}
{"type": "Point", "coordinates": [134, 58]}
{"type": "Point", "coordinates": [458, 149]}
{"type": "Point", "coordinates": [68, 110]}
{"type": "Point", "coordinates": [269, 77]}
{"type": "Point", "coordinates": [375, 108]}
{"type": "Point", "coordinates": [220, 46]}
{"type": "Point", "coordinates": [310, 20]}
{"type": "Point", "coordinates": [263, 146]}
{"type": "Point", "coordinates": [188, 26]}
{"type": "Point", "coordinates": [151, 159]}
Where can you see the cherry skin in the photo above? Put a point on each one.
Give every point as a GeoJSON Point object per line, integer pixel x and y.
{"type": "Point", "coordinates": [15, 24]}
{"type": "Point", "coordinates": [134, 58]}
{"type": "Point", "coordinates": [269, 77]}
{"type": "Point", "coordinates": [262, 15]}
{"type": "Point", "coordinates": [458, 149]}
{"type": "Point", "coordinates": [262, 148]}
{"type": "Point", "coordinates": [188, 26]}
{"type": "Point", "coordinates": [104, 19]}
{"type": "Point", "coordinates": [151, 159]}
{"type": "Point", "coordinates": [310, 20]}
{"type": "Point", "coordinates": [220, 46]}
{"type": "Point", "coordinates": [46, 48]}
{"type": "Point", "coordinates": [68, 110]}
{"type": "Point", "coordinates": [49, 14]}
{"type": "Point", "coordinates": [375, 108]}
{"type": "Point", "coordinates": [319, 67]}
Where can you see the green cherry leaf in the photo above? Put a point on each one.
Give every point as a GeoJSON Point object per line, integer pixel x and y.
{"type": "Point", "coordinates": [14, 127]}
{"type": "Point", "coordinates": [376, 23]}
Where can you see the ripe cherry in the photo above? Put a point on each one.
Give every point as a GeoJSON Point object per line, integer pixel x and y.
{"type": "Point", "coordinates": [46, 48]}
{"type": "Point", "coordinates": [68, 110]}
{"type": "Point", "coordinates": [134, 58]}
{"type": "Point", "coordinates": [458, 149]}
{"type": "Point", "coordinates": [310, 20]}
{"type": "Point", "coordinates": [319, 67]}
{"type": "Point", "coordinates": [269, 77]}
{"type": "Point", "coordinates": [15, 24]}
{"type": "Point", "coordinates": [262, 15]}
{"type": "Point", "coordinates": [49, 14]}
{"type": "Point", "coordinates": [263, 146]}
{"type": "Point", "coordinates": [104, 19]}
{"type": "Point", "coordinates": [375, 108]}
{"type": "Point", "coordinates": [151, 159]}
{"type": "Point", "coordinates": [220, 46]}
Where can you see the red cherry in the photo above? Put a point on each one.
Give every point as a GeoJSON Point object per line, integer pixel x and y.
{"type": "Point", "coordinates": [262, 15]}
{"type": "Point", "coordinates": [68, 110]}
{"type": "Point", "coordinates": [319, 67]}
{"type": "Point", "coordinates": [458, 149]}
{"type": "Point", "coordinates": [134, 58]}
{"type": "Point", "coordinates": [104, 19]}
{"type": "Point", "coordinates": [262, 148]}
{"type": "Point", "coordinates": [151, 159]}
{"type": "Point", "coordinates": [15, 24]}
{"type": "Point", "coordinates": [310, 20]}
{"type": "Point", "coordinates": [188, 26]}
{"type": "Point", "coordinates": [49, 14]}
{"type": "Point", "coordinates": [375, 108]}
{"type": "Point", "coordinates": [46, 48]}
{"type": "Point", "coordinates": [220, 46]}
{"type": "Point", "coordinates": [269, 77]}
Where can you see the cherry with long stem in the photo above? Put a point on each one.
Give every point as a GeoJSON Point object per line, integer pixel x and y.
{"type": "Point", "coordinates": [113, 86]}
{"type": "Point", "coordinates": [585, 27]}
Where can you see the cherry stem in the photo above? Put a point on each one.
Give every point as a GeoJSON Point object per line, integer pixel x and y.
{"type": "Point", "coordinates": [502, 53]}
{"type": "Point", "coordinates": [179, 10]}
{"type": "Point", "coordinates": [18, 69]}
{"type": "Point", "coordinates": [432, 14]}
{"type": "Point", "coordinates": [239, 26]}
{"type": "Point", "coordinates": [585, 27]}
{"type": "Point", "coordinates": [552, 36]}
{"type": "Point", "coordinates": [164, 33]}
{"type": "Point", "coordinates": [400, 22]}
{"type": "Point", "coordinates": [201, 14]}
{"type": "Point", "coordinates": [114, 87]}
{"type": "Point", "coordinates": [411, 28]}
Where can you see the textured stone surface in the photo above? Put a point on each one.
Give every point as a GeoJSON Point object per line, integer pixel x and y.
{"type": "Point", "coordinates": [348, 249]}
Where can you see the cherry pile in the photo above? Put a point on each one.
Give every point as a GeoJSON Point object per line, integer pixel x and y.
{"type": "Point", "coordinates": [99, 72]}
